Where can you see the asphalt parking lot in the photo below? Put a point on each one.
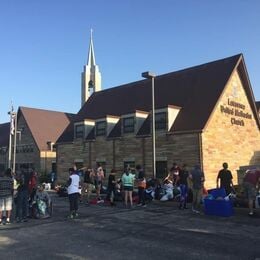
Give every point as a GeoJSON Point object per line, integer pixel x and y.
{"type": "Point", "coordinates": [159, 231]}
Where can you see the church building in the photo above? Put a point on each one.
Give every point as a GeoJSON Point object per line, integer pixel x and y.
{"type": "Point", "coordinates": [204, 115]}
{"type": "Point", "coordinates": [37, 132]}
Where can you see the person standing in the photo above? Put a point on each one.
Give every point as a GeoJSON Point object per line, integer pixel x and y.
{"type": "Point", "coordinates": [6, 196]}
{"type": "Point", "coordinates": [22, 194]}
{"type": "Point", "coordinates": [225, 177]}
{"type": "Point", "coordinates": [98, 179]}
{"type": "Point", "coordinates": [111, 187]}
{"type": "Point", "coordinates": [251, 185]}
{"type": "Point", "coordinates": [141, 183]}
{"type": "Point", "coordinates": [183, 184]}
{"type": "Point", "coordinates": [197, 177]}
{"type": "Point", "coordinates": [73, 192]}
{"type": "Point", "coordinates": [128, 186]}
{"type": "Point", "coordinates": [88, 182]}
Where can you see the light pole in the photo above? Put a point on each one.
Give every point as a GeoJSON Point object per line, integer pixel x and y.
{"type": "Point", "coordinates": [11, 133]}
{"type": "Point", "coordinates": [150, 75]}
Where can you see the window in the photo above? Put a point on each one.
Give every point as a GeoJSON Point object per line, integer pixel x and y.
{"type": "Point", "coordinates": [129, 125]}
{"type": "Point", "coordinates": [79, 131]}
{"type": "Point", "coordinates": [160, 121]}
{"type": "Point", "coordinates": [130, 164]}
{"type": "Point", "coordinates": [161, 169]}
{"type": "Point", "coordinates": [101, 128]}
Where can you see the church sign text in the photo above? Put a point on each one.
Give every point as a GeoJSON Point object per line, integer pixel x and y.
{"type": "Point", "coordinates": [235, 110]}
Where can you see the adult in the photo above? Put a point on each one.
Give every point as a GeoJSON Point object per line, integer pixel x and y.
{"type": "Point", "coordinates": [183, 184]}
{"type": "Point", "coordinates": [225, 178]}
{"type": "Point", "coordinates": [173, 175]}
{"type": "Point", "coordinates": [87, 183]}
{"type": "Point", "coordinates": [73, 192]}
{"type": "Point", "coordinates": [141, 183]}
{"type": "Point", "coordinates": [128, 186]}
{"type": "Point", "coordinates": [111, 187]}
{"type": "Point", "coordinates": [197, 177]}
{"type": "Point", "coordinates": [6, 196]}
{"type": "Point", "coordinates": [53, 178]}
{"type": "Point", "coordinates": [32, 184]}
{"type": "Point", "coordinates": [98, 180]}
{"type": "Point", "coordinates": [251, 185]}
{"type": "Point", "coordinates": [22, 206]}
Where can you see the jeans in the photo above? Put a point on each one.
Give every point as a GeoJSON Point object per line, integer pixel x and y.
{"type": "Point", "coordinates": [184, 194]}
{"type": "Point", "coordinates": [74, 202]}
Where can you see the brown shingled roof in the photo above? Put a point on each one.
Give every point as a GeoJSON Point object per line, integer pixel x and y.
{"type": "Point", "coordinates": [45, 125]}
{"type": "Point", "coordinates": [4, 134]}
{"type": "Point", "coordinates": [196, 90]}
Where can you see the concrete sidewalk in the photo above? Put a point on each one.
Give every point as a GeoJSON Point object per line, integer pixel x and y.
{"type": "Point", "coordinates": [158, 231]}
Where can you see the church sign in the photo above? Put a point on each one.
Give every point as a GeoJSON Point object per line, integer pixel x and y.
{"type": "Point", "coordinates": [236, 110]}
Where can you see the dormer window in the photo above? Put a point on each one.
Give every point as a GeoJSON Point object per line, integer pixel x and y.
{"type": "Point", "coordinates": [160, 121]}
{"type": "Point", "coordinates": [129, 125]}
{"type": "Point", "coordinates": [79, 131]}
{"type": "Point", "coordinates": [101, 128]}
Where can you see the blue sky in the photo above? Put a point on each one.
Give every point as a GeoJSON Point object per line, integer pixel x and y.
{"type": "Point", "coordinates": [44, 44]}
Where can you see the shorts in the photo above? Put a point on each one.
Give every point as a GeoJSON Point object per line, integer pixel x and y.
{"type": "Point", "coordinates": [6, 203]}
{"type": "Point", "coordinates": [250, 190]}
{"type": "Point", "coordinates": [128, 188]}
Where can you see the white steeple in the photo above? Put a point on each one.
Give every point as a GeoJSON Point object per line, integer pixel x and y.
{"type": "Point", "coordinates": [90, 77]}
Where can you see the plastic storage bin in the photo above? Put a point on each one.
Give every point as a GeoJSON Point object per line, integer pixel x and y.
{"type": "Point", "coordinates": [220, 208]}
{"type": "Point", "coordinates": [220, 192]}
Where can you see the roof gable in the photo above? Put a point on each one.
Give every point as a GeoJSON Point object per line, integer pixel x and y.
{"type": "Point", "coordinates": [45, 125]}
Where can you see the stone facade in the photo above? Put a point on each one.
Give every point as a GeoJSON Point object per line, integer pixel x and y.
{"type": "Point", "coordinates": [181, 148]}
{"type": "Point", "coordinates": [228, 137]}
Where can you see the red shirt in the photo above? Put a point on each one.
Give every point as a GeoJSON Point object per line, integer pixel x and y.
{"type": "Point", "coordinates": [252, 177]}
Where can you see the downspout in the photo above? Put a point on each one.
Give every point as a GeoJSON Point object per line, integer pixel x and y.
{"type": "Point", "coordinates": [114, 153]}
{"type": "Point", "coordinates": [90, 155]}
{"type": "Point", "coordinates": [143, 152]}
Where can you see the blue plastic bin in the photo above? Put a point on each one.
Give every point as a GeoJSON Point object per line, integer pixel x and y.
{"type": "Point", "coordinates": [220, 208]}
{"type": "Point", "coordinates": [220, 192]}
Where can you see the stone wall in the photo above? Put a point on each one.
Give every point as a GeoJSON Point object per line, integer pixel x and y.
{"type": "Point", "coordinates": [181, 148]}
{"type": "Point", "coordinates": [228, 137]}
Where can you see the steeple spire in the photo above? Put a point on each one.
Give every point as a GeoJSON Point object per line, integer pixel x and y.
{"type": "Point", "coordinates": [91, 55]}
{"type": "Point", "coordinates": [90, 77]}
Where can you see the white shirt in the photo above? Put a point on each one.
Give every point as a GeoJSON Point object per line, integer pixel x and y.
{"type": "Point", "coordinates": [74, 186]}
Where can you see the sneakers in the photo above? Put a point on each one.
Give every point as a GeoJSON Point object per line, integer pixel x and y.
{"type": "Point", "coordinates": [1, 222]}
{"type": "Point", "coordinates": [70, 216]}
{"type": "Point", "coordinates": [195, 211]}
{"type": "Point", "coordinates": [251, 214]}
{"type": "Point", "coordinates": [7, 222]}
